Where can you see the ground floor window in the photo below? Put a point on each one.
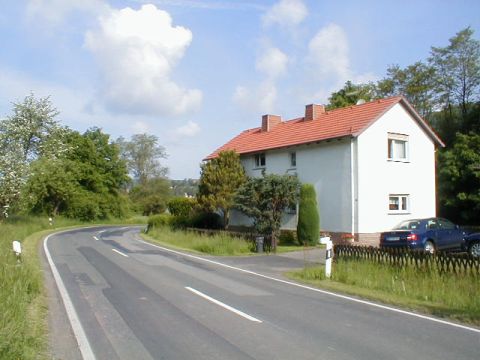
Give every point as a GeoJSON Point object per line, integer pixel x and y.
{"type": "Point", "coordinates": [260, 160]}
{"type": "Point", "coordinates": [399, 203]}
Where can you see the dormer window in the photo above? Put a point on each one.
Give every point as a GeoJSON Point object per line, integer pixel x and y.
{"type": "Point", "coordinates": [397, 147]}
{"type": "Point", "coordinates": [260, 160]}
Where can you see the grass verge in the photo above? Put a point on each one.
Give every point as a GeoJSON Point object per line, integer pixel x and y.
{"type": "Point", "coordinates": [23, 315]}
{"type": "Point", "coordinates": [219, 244]}
{"type": "Point", "coordinates": [444, 295]}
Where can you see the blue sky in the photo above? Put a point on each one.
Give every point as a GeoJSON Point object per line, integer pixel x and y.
{"type": "Point", "coordinates": [196, 73]}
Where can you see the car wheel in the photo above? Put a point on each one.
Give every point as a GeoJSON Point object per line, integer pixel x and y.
{"type": "Point", "coordinates": [474, 249]}
{"type": "Point", "coordinates": [429, 247]}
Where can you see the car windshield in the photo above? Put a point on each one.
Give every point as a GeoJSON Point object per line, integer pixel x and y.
{"type": "Point", "coordinates": [408, 225]}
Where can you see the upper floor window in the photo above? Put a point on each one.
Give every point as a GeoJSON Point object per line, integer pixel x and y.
{"type": "Point", "coordinates": [399, 203]}
{"type": "Point", "coordinates": [397, 147]}
{"type": "Point", "coordinates": [260, 160]}
{"type": "Point", "coordinates": [293, 159]}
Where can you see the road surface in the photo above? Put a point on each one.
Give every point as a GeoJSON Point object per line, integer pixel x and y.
{"type": "Point", "coordinates": [127, 299]}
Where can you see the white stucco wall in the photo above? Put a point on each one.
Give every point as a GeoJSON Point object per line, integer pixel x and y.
{"type": "Point", "coordinates": [327, 167]}
{"type": "Point", "coordinates": [378, 177]}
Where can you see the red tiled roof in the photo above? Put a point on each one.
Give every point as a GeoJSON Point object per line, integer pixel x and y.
{"type": "Point", "coordinates": [348, 121]}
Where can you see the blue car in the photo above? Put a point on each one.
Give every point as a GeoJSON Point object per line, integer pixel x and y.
{"type": "Point", "coordinates": [472, 244]}
{"type": "Point", "coordinates": [430, 235]}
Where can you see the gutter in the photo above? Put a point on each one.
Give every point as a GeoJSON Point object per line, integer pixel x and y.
{"type": "Point", "coordinates": [352, 183]}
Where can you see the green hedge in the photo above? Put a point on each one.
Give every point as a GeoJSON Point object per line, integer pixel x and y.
{"type": "Point", "coordinates": [159, 220]}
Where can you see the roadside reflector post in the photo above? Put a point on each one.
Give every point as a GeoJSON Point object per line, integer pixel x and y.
{"type": "Point", "coordinates": [17, 249]}
{"type": "Point", "coordinates": [328, 258]}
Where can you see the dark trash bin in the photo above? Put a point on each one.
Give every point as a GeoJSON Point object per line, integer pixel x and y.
{"type": "Point", "coordinates": [259, 243]}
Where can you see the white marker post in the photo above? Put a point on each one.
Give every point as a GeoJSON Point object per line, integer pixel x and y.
{"type": "Point", "coordinates": [328, 258]}
{"type": "Point", "coordinates": [17, 249]}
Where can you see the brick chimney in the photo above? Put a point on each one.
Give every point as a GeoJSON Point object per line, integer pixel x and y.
{"type": "Point", "coordinates": [313, 111]}
{"type": "Point", "coordinates": [270, 121]}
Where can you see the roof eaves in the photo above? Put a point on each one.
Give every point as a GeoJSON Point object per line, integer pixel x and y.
{"type": "Point", "coordinates": [339, 137]}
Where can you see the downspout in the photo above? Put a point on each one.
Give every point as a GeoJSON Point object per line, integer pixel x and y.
{"type": "Point", "coordinates": [352, 183]}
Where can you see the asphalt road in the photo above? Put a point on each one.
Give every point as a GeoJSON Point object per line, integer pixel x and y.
{"type": "Point", "coordinates": [130, 300]}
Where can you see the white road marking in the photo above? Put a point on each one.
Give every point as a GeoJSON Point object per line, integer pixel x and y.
{"type": "Point", "coordinates": [96, 238]}
{"type": "Point", "coordinates": [119, 252]}
{"type": "Point", "coordinates": [439, 321]}
{"type": "Point", "coordinates": [102, 231]}
{"type": "Point", "coordinates": [225, 306]}
{"type": "Point", "coordinates": [82, 340]}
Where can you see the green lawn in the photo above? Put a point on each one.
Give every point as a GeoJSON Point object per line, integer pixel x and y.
{"type": "Point", "coordinates": [444, 295]}
{"type": "Point", "coordinates": [220, 244]}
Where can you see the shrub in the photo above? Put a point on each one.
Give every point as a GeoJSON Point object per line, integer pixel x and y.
{"type": "Point", "coordinates": [206, 220]}
{"type": "Point", "coordinates": [180, 222]}
{"type": "Point", "coordinates": [308, 228]}
{"type": "Point", "coordinates": [288, 237]}
{"type": "Point", "coordinates": [181, 206]}
{"type": "Point", "coordinates": [159, 221]}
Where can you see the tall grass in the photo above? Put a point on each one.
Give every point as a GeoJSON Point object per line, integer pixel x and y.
{"type": "Point", "coordinates": [219, 244]}
{"type": "Point", "coordinates": [450, 295]}
{"type": "Point", "coordinates": [23, 308]}
{"type": "Point", "coordinates": [22, 325]}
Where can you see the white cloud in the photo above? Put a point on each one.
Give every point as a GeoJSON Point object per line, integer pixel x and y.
{"type": "Point", "coordinates": [140, 127]}
{"type": "Point", "coordinates": [209, 5]}
{"type": "Point", "coordinates": [286, 13]}
{"type": "Point", "coordinates": [329, 60]}
{"type": "Point", "coordinates": [137, 51]}
{"type": "Point", "coordinates": [273, 62]}
{"type": "Point", "coordinates": [55, 12]}
{"type": "Point", "coordinates": [190, 129]}
{"type": "Point", "coordinates": [328, 51]}
{"type": "Point", "coordinates": [259, 99]}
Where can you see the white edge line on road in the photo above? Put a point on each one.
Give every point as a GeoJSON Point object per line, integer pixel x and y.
{"type": "Point", "coordinates": [225, 306]}
{"type": "Point", "coordinates": [404, 312]}
{"type": "Point", "coordinates": [119, 252]}
{"type": "Point", "coordinates": [81, 337]}
{"type": "Point", "coordinates": [96, 238]}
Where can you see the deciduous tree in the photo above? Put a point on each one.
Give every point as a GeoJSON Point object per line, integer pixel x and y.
{"type": "Point", "coordinates": [350, 94]}
{"type": "Point", "coordinates": [143, 155]}
{"type": "Point", "coordinates": [457, 70]}
{"type": "Point", "coordinates": [415, 82]}
{"type": "Point", "coordinates": [459, 179]}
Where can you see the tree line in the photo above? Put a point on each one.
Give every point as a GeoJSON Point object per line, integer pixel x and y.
{"type": "Point", "coordinates": [50, 169]}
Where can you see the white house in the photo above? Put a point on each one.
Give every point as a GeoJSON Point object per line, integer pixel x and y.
{"type": "Point", "coordinates": [372, 164]}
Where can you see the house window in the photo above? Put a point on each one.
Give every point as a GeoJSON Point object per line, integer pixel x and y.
{"type": "Point", "coordinates": [293, 159]}
{"type": "Point", "coordinates": [260, 160]}
{"type": "Point", "coordinates": [399, 203]}
{"type": "Point", "coordinates": [292, 210]}
{"type": "Point", "coordinates": [397, 147]}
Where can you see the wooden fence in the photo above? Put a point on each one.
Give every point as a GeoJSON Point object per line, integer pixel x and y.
{"type": "Point", "coordinates": [457, 263]}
